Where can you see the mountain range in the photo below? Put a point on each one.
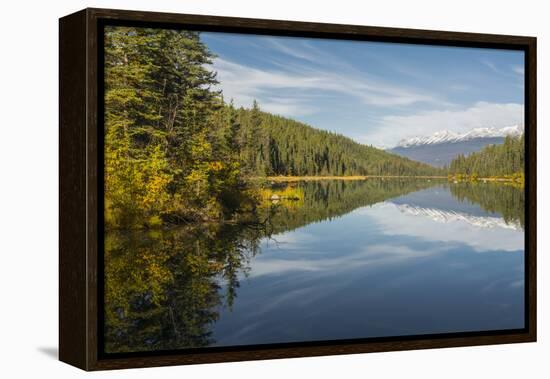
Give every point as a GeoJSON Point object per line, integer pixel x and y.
{"type": "Point", "coordinates": [440, 148]}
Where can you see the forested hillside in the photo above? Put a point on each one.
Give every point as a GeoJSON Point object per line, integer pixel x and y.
{"type": "Point", "coordinates": [175, 151]}
{"type": "Point", "coordinates": [275, 145]}
{"type": "Point", "coordinates": [502, 160]}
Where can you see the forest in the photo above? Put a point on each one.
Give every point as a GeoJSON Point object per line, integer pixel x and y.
{"type": "Point", "coordinates": [503, 161]}
{"type": "Point", "coordinates": [177, 152]}
{"type": "Point", "coordinates": [291, 148]}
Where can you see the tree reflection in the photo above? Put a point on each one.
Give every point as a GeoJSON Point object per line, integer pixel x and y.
{"type": "Point", "coordinates": [164, 289]}
{"type": "Point", "coordinates": [506, 200]}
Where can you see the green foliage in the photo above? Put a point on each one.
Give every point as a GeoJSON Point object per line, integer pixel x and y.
{"type": "Point", "coordinates": [176, 152]}
{"type": "Point", "coordinates": [170, 295]}
{"type": "Point", "coordinates": [275, 145]}
{"type": "Point", "coordinates": [169, 138]}
{"type": "Point", "coordinates": [505, 160]}
{"type": "Point", "coordinates": [283, 192]}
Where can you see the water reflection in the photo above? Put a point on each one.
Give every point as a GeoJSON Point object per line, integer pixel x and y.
{"type": "Point", "coordinates": [351, 259]}
{"type": "Point", "coordinates": [162, 289]}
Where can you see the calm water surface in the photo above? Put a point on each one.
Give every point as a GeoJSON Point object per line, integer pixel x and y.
{"type": "Point", "coordinates": [350, 260]}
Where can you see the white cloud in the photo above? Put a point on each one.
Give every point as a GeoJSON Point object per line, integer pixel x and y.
{"type": "Point", "coordinates": [244, 84]}
{"type": "Point", "coordinates": [271, 88]}
{"type": "Point", "coordinates": [393, 128]}
{"type": "Point", "coordinates": [519, 70]}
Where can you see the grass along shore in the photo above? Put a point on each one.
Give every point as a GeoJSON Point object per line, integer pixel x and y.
{"type": "Point", "coordinates": [451, 178]}
{"type": "Point", "coordinates": [516, 178]}
{"type": "Point", "coordinates": [350, 177]}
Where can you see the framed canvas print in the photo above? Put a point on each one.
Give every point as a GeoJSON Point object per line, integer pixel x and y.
{"type": "Point", "coordinates": [237, 189]}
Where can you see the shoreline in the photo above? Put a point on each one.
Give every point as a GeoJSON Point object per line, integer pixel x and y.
{"type": "Point", "coordinates": [351, 177]}
{"type": "Point", "coordinates": [286, 179]}
{"type": "Point", "coordinates": [499, 180]}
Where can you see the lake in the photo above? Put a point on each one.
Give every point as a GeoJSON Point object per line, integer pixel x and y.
{"type": "Point", "coordinates": [350, 259]}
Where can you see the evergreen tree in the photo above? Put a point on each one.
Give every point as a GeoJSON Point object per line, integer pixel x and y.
{"type": "Point", "coordinates": [506, 159]}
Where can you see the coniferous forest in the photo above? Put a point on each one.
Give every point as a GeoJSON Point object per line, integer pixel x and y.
{"type": "Point", "coordinates": [288, 147]}
{"type": "Point", "coordinates": [502, 160]}
{"type": "Point", "coordinates": [177, 151]}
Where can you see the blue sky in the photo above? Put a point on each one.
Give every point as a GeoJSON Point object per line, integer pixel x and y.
{"type": "Point", "coordinates": [376, 93]}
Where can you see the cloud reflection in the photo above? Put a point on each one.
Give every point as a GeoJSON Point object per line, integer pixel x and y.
{"type": "Point", "coordinates": [394, 221]}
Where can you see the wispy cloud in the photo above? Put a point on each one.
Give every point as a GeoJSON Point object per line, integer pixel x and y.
{"type": "Point", "coordinates": [244, 84]}
{"type": "Point", "coordinates": [493, 67]}
{"type": "Point", "coordinates": [392, 128]}
{"type": "Point", "coordinates": [504, 71]}
{"type": "Point", "coordinates": [302, 51]}
{"type": "Point", "coordinates": [518, 70]}
{"type": "Point", "coordinates": [287, 91]}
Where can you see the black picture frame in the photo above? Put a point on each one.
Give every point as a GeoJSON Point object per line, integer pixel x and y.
{"type": "Point", "coordinates": [81, 186]}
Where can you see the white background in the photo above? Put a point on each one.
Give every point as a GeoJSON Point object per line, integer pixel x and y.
{"type": "Point", "coordinates": [29, 177]}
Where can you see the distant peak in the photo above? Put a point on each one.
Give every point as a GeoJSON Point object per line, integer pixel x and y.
{"type": "Point", "coordinates": [446, 136]}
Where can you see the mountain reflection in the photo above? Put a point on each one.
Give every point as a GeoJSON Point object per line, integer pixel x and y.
{"type": "Point", "coordinates": [484, 205]}
{"type": "Point", "coordinates": [505, 200]}
{"type": "Point", "coordinates": [453, 216]}
{"type": "Point", "coordinates": [166, 289]}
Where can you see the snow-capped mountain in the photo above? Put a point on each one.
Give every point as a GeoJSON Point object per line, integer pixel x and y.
{"type": "Point", "coordinates": [442, 147]}
{"type": "Point", "coordinates": [446, 136]}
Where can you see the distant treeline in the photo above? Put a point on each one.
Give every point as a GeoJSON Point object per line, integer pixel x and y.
{"type": "Point", "coordinates": [175, 151]}
{"type": "Point", "coordinates": [502, 160]}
